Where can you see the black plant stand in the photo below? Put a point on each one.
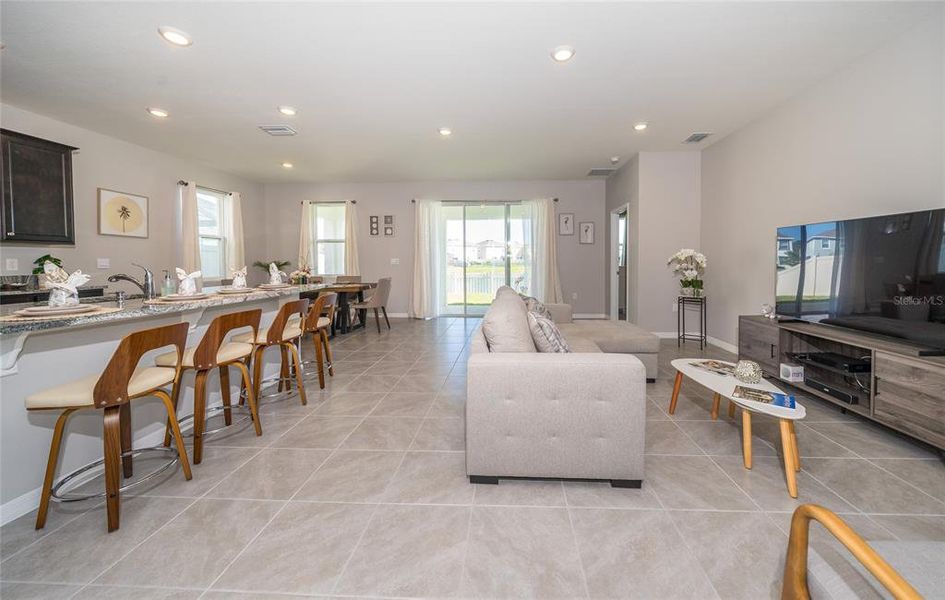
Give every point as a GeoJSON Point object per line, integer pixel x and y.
{"type": "Point", "coordinates": [682, 304]}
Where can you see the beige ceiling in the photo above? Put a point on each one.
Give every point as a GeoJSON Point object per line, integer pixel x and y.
{"type": "Point", "coordinates": [374, 82]}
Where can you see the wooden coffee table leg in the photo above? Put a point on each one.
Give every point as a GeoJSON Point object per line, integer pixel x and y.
{"type": "Point", "coordinates": [787, 446]}
{"type": "Point", "coordinates": [676, 385]}
{"type": "Point", "coordinates": [797, 452]}
{"type": "Point", "coordinates": [731, 409]}
{"type": "Point", "coordinates": [716, 401]}
{"type": "Point", "coordinates": [746, 437]}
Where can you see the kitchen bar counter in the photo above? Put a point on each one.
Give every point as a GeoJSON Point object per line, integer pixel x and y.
{"type": "Point", "coordinates": [37, 355]}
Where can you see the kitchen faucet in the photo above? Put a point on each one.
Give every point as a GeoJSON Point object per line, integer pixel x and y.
{"type": "Point", "coordinates": [147, 288]}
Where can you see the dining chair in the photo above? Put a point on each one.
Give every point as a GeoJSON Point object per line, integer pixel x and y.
{"type": "Point", "coordinates": [378, 300]}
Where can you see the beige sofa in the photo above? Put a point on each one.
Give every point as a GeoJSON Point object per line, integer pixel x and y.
{"type": "Point", "coordinates": [577, 415]}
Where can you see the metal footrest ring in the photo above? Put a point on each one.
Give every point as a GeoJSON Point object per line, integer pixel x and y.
{"type": "Point", "coordinates": [273, 397]}
{"type": "Point", "coordinates": [212, 411]}
{"type": "Point", "coordinates": [59, 496]}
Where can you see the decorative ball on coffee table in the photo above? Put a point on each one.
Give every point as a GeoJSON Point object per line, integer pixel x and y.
{"type": "Point", "coordinates": [748, 371]}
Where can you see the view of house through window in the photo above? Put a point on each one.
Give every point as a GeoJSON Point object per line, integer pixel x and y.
{"type": "Point", "coordinates": [211, 233]}
{"type": "Point", "coordinates": [329, 242]}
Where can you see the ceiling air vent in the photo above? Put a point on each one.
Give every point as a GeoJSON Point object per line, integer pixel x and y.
{"type": "Point", "coordinates": [278, 130]}
{"type": "Point", "coordinates": [603, 172]}
{"type": "Point", "coordinates": [695, 138]}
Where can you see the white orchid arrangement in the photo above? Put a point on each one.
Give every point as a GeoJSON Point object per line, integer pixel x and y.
{"type": "Point", "coordinates": [689, 265]}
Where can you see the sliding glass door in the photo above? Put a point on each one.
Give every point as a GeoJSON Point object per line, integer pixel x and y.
{"type": "Point", "coordinates": [485, 249]}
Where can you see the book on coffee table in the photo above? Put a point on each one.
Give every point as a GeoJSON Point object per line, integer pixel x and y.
{"type": "Point", "coordinates": [745, 393]}
{"type": "Point", "coordinates": [715, 366]}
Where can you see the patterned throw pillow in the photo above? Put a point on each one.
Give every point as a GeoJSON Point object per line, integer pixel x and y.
{"type": "Point", "coordinates": [545, 334]}
{"type": "Point", "coordinates": [534, 305]}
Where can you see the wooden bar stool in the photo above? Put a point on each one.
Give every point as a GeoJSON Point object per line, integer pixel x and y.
{"type": "Point", "coordinates": [120, 383]}
{"type": "Point", "coordinates": [213, 352]}
{"type": "Point", "coordinates": [285, 331]}
{"type": "Point", "coordinates": [318, 323]}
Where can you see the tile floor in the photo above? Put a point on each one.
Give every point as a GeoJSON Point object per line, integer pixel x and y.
{"type": "Point", "coordinates": [363, 493]}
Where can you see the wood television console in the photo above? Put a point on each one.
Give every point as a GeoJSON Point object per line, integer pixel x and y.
{"type": "Point", "coordinates": [903, 390]}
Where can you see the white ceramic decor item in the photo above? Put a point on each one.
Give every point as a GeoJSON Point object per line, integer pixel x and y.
{"type": "Point", "coordinates": [276, 277]}
{"type": "Point", "coordinates": [66, 293]}
{"type": "Point", "coordinates": [188, 282]}
{"type": "Point", "coordinates": [54, 274]}
{"type": "Point", "coordinates": [239, 279]}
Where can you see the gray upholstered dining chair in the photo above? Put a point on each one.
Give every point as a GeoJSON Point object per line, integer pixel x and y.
{"type": "Point", "coordinates": [348, 279]}
{"type": "Point", "coordinates": [378, 300]}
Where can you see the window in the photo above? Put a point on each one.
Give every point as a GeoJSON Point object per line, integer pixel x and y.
{"type": "Point", "coordinates": [329, 243]}
{"type": "Point", "coordinates": [825, 244]}
{"type": "Point", "coordinates": [210, 232]}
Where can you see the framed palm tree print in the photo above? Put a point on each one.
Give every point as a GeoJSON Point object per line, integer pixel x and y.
{"type": "Point", "coordinates": [122, 214]}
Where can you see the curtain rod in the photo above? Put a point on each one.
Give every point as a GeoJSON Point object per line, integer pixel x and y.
{"type": "Point", "coordinates": [414, 200]}
{"type": "Point", "coordinates": [182, 182]}
{"type": "Point", "coordinates": [334, 202]}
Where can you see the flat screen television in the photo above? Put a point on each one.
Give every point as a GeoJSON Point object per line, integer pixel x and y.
{"type": "Point", "coordinates": [883, 275]}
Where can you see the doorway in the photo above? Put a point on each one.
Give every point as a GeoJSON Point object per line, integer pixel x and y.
{"type": "Point", "coordinates": [485, 249]}
{"type": "Point", "coordinates": [619, 274]}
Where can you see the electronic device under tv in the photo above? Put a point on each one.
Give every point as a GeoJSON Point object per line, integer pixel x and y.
{"type": "Point", "coordinates": [883, 275]}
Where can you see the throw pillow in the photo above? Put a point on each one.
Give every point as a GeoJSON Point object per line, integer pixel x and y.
{"type": "Point", "coordinates": [505, 325]}
{"type": "Point", "coordinates": [546, 335]}
{"type": "Point", "coordinates": [534, 305]}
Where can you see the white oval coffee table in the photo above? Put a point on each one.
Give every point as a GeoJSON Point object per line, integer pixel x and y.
{"type": "Point", "coordinates": [724, 385]}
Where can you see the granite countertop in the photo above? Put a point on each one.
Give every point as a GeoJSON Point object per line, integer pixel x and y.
{"type": "Point", "coordinates": [135, 308]}
{"type": "Point", "coordinates": [22, 292]}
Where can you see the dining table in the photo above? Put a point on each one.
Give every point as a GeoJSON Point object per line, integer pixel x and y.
{"type": "Point", "coordinates": [342, 323]}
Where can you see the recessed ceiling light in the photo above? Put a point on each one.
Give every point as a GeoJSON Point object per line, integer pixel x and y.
{"type": "Point", "coordinates": [287, 111]}
{"type": "Point", "coordinates": [640, 126]}
{"type": "Point", "coordinates": [614, 160]}
{"type": "Point", "coordinates": [445, 131]}
{"type": "Point", "coordinates": [287, 165]}
{"type": "Point", "coordinates": [562, 53]}
{"type": "Point", "coordinates": [175, 36]}
{"type": "Point", "coordinates": [158, 112]}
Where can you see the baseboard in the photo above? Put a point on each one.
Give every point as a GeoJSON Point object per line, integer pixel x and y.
{"type": "Point", "coordinates": [589, 316]}
{"type": "Point", "coordinates": [712, 341]}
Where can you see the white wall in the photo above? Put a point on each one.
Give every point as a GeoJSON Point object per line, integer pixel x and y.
{"type": "Point", "coordinates": [623, 188]}
{"type": "Point", "coordinates": [866, 141]}
{"type": "Point", "coordinates": [581, 266]}
{"type": "Point", "coordinates": [664, 192]}
{"type": "Point", "coordinates": [106, 162]}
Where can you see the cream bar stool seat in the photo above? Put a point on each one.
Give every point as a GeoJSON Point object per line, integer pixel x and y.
{"type": "Point", "coordinates": [215, 353]}
{"type": "Point", "coordinates": [121, 382]}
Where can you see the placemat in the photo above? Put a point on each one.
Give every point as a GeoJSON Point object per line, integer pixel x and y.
{"type": "Point", "coordinates": [99, 310]}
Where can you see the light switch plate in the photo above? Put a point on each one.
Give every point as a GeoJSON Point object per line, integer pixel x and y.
{"type": "Point", "coordinates": [395, 261]}
{"type": "Point", "coordinates": [103, 263]}
{"type": "Point", "coordinates": [11, 264]}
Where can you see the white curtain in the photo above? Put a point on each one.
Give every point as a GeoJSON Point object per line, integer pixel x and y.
{"type": "Point", "coordinates": [233, 233]}
{"type": "Point", "coordinates": [351, 238]}
{"type": "Point", "coordinates": [429, 268]}
{"type": "Point", "coordinates": [542, 265]}
{"type": "Point", "coordinates": [305, 237]}
{"type": "Point", "coordinates": [189, 237]}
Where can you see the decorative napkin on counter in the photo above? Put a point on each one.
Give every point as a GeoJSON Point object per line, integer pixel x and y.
{"type": "Point", "coordinates": [276, 277]}
{"type": "Point", "coordinates": [63, 287]}
{"type": "Point", "coordinates": [239, 279]}
{"type": "Point", "coordinates": [188, 282]}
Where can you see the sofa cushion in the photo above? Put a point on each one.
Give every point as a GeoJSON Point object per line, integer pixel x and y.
{"type": "Point", "coordinates": [533, 305]}
{"type": "Point", "coordinates": [545, 334]}
{"type": "Point", "coordinates": [505, 324]}
{"type": "Point", "coordinates": [614, 336]}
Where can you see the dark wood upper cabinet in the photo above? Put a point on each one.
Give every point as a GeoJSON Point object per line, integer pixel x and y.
{"type": "Point", "coordinates": [37, 190]}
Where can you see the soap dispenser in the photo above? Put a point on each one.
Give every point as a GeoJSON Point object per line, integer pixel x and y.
{"type": "Point", "coordinates": [168, 288]}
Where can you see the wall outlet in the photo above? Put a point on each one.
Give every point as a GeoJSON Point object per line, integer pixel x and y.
{"type": "Point", "coordinates": [573, 295]}
{"type": "Point", "coordinates": [11, 264]}
{"type": "Point", "coordinates": [395, 261]}
{"type": "Point", "coordinates": [103, 263]}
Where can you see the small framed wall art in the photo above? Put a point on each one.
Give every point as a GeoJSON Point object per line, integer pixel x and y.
{"type": "Point", "coordinates": [375, 225]}
{"type": "Point", "coordinates": [566, 224]}
{"type": "Point", "coordinates": [389, 230]}
{"type": "Point", "coordinates": [587, 232]}
{"type": "Point", "coordinates": [122, 214]}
